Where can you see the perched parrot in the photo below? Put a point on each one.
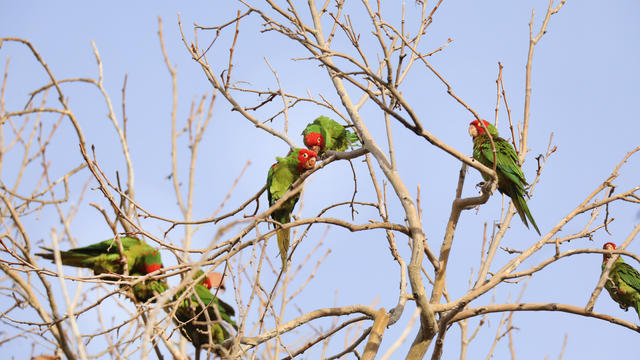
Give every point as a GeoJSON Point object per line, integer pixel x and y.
{"type": "Point", "coordinates": [511, 181]}
{"type": "Point", "coordinates": [191, 319]}
{"type": "Point", "coordinates": [104, 258]}
{"type": "Point", "coordinates": [326, 134]}
{"type": "Point", "coordinates": [281, 175]}
{"type": "Point", "coordinates": [623, 283]}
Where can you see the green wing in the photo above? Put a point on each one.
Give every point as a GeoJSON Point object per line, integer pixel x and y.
{"type": "Point", "coordinates": [629, 275]}
{"type": "Point", "coordinates": [146, 290]}
{"type": "Point", "coordinates": [336, 136]}
{"type": "Point", "coordinates": [207, 298]}
{"type": "Point", "coordinates": [279, 179]}
{"type": "Point", "coordinates": [507, 160]}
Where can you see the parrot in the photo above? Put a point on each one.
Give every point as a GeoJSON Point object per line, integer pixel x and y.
{"type": "Point", "coordinates": [623, 283]}
{"type": "Point", "coordinates": [511, 181]}
{"type": "Point", "coordinates": [192, 321]}
{"type": "Point", "coordinates": [326, 134]}
{"type": "Point", "coordinates": [280, 177]}
{"type": "Point", "coordinates": [104, 258]}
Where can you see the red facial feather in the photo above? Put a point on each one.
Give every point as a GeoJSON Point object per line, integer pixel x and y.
{"type": "Point", "coordinates": [479, 127]}
{"type": "Point", "coordinates": [303, 156]}
{"type": "Point", "coordinates": [206, 282]}
{"type": "Point", "coordinates": [613, 247]}
{"type": "Point", "coordinates": [149, 268]}
{"type": "Point", "coordinates": [314, 139]}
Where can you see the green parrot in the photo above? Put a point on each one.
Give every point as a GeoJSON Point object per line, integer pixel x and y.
{"type": "Point", "coordinates": [104, 258]}
{"type": "Point", "coordinates": [191, 319]}
{"type": "Point", "coordinates": [326, 134]}
{"type": "Point", "coordinates": [281, 175]}
{"type": "Point", "coordinates": [511, 181]}
{"type": "Point", "coordinates": [623, 283]}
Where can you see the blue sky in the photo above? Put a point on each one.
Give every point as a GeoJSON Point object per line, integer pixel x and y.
{"type": "Point", "coordinates": [584, 92]}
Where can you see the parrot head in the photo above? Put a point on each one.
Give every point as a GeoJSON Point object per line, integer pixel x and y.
{"type": "Point", "coordinates": [306, 160]}
{"type": "Point", "coordinates": [151, 261]}
{"type": "Point", "coordinates": [608, 246]}
{"type": "Point", "coordinates": [476, 129]}
{"type": "Point", "coordinates": [213, 280]}
{"type": "Point", "coordinates": [314, 141]}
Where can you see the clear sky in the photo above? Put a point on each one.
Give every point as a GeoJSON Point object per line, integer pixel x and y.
{"type": "Point", "coordinates": [585, 92]}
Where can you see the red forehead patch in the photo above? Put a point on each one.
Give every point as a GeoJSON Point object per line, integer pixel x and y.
{"type": "Point", "coordinates": [479, 127]}
{"type": "Point", "coordinates": [303, 156]}
{"type": "Point", "coordinates": [314, 139]}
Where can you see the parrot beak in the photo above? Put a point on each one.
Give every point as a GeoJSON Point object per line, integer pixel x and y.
{"type": "Point", "coordinates": [310, 164]}
{"type": "Point", "coordinates": [316, 148]}
{"type": "Point", "coordinates": [473, 131]}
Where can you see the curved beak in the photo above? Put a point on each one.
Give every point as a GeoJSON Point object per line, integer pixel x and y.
{"type": "Point", "coordinates": [310, 164]}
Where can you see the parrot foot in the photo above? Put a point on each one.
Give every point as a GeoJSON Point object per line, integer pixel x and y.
{"type": "Point", "coordinates": [485, 186]}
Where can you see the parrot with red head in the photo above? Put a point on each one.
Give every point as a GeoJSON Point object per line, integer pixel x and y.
{"type": "Point", "coordinates": [280, 177]}
{"type": "Point", "coordinates": [623, 283]}
{"type": "Point", "coordinates": [104, 258]}
{"type": "Point", "coordinates": [327, 134]}
{"type": "Point", "coordinates": [511, 181]}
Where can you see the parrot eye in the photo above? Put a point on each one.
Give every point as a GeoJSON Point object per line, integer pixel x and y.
{"type": "Point", "coordinates": [319, 141]}
{"type": "Point", "coordinates": [305, 155]}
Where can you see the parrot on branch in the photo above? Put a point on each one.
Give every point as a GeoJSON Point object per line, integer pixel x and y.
{"type": "Point", "coordinates": [104, 258]}
{"type": "Point", "coordinates": [511, 181]}
{"type": "Point", "coordinates": [623, 283]}
{"type": "Point", "coordinates": [326, 134]}
{"type": "Point", "coordinates": [281, 175]}
{"type": "Point", "coordinates": [191, 319]}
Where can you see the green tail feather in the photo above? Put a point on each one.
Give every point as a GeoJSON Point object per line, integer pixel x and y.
{"type": "Point", "coordinates": [283, 240]}
{"type": "Point", "coordinates": [352, 138]}
{"type": "Point", "coordinates": [523, 211]}
{"type": "Point", "coordinates": [68, 258]}
{"type": "Point", "coordinates": [283, 245]}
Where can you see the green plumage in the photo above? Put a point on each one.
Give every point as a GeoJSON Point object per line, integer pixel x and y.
{"type": "Point", "coordinates": [511, 181]}
{"type": "Point", "coordinates": [191, 318]}
{"type": "Point", "coordinates": [280, 177]}
{"type": "Point", "coordinates": [335, 136]}
{"type": "Point", "coordinates": [623, 285]}
{"type": "Point", "coordinates": [145, 290]}
{"type": "Point", "coordinates": [104, 258]}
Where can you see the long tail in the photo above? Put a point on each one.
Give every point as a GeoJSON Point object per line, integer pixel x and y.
{"type": "Point", "coordinates": [69, 258]}
{"type": "Point", "coordinates": [523, 211]}
{"type": "Point", "coordinates": [283, 243]}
